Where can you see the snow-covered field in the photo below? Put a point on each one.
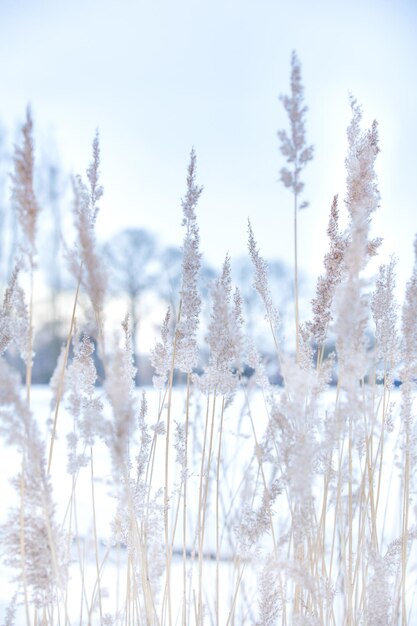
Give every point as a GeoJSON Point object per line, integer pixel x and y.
{"type": "Point", "coordinates": [239, 468]}
{"type": "Point", "coordinates": [237, 455]}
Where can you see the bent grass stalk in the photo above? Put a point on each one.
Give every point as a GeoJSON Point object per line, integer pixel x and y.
{"type": "Point", "coordinates": [93, 502]}
{"type": "Point", "coordinates": [30, 341]}
{"type": "Point", "coordinates": [62, 376]}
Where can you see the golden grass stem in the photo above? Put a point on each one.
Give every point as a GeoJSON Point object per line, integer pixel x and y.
{"type": "Point", "coordinates": [61, 379]}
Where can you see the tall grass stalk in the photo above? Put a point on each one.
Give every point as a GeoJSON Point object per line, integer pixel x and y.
{"type": "Point", "coordinates": [293, 147]}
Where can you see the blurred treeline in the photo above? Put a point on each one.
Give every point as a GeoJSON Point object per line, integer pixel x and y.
{"type": "Point", "coordinates": [144, 277]}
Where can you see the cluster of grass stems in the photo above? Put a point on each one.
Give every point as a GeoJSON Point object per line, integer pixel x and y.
{"type": "Point", "coordinates": [232, 501]}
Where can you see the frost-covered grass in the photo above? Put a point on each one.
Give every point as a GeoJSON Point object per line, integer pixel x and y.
{"type": "Point", "coordinates": [225, 499]}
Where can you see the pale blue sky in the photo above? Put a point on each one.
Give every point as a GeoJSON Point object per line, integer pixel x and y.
{"type": "Point", "coordinates": [159, 76]}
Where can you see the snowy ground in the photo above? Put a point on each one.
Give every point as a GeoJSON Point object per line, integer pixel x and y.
{"type": "Point", "coordinates": [237, 452]}
{"type": "Point", "coordinates": [113, 574]}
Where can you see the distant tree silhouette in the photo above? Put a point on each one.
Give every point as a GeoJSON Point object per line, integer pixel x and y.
{"type": "Point", "coordinates": [131, 259]}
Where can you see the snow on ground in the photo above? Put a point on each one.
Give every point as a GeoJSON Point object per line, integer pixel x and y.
{"type": "Point", "coordinates": [238, 462]}
{"type": "Point", "coordinates": [239, 445]}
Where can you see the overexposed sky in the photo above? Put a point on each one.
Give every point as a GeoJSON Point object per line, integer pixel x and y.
{"type": "Point", "coordinates": [158, 76]}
